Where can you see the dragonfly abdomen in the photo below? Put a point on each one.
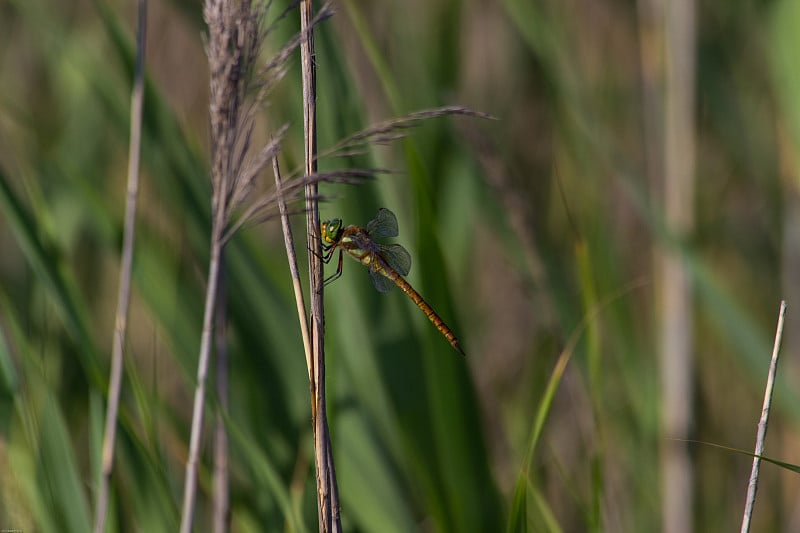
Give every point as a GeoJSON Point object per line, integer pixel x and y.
{"type": "Point", "coordinates": [423, 305]}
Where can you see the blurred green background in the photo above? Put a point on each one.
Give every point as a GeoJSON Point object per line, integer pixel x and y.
{"type": "Point", "coordinates": [522, 230]}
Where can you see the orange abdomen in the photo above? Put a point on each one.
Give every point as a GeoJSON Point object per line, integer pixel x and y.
{"type": "Point", "coordinates": [422, 304]}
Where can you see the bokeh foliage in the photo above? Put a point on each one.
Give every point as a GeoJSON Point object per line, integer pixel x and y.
{"type": "Point", "coordinates": [526, 232]}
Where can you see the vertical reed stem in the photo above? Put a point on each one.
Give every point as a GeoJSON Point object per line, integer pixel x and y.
{"type": "Point", "coordinates": [676, 341]}
{"type": "Point", "coordinates": [123, 298]}
{"type": "Point", "coordinates": [327, 492]}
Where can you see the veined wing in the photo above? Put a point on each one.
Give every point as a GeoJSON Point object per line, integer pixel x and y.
{"type": "Point", "coordinates": [380, 281]}
{"type": "Point", "coordinates": [393, 257]}
{"type": "Point", "coordinates": [397, 257]}
{"type": "Point", "coordinates": [383, 225]}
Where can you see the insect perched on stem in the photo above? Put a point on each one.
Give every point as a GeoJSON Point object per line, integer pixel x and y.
{"type": "Point", "coordinates": [387, 263]}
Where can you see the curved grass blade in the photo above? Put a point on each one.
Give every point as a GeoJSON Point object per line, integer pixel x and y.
{"type": "Point", "coordinates": [47, 264]}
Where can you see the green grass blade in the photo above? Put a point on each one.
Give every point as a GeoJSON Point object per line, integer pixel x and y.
{"type": "Point", "coordinates": [46, 262]}
{"type": "Point", "coordinates": [58, 468]}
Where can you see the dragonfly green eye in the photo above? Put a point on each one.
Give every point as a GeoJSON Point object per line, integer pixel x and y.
{"type": "Point", "coordinates": [330, 230]}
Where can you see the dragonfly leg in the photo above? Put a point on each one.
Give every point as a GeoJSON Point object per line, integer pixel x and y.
{"type": "Point", "coordinates": [327, 253]}
{"type": "Point", "coordinates": [338, 273]}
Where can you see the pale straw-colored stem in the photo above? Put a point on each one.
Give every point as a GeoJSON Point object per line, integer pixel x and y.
{"type": "Point", "coordinates": [190, 482]}
{"type": "Point", "coordinates": [288, 239]}
{"type": "Point", "coordinates": [675, 292]}
{"type": "Point", "coordinates": [752, 486]}
{"type": "Point", "coordinates": [123, 299]}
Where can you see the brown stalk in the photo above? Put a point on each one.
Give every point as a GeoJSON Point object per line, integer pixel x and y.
{"type": "Point", "coordinates": [123, 299]}
{"type": "Point", "coordinates": [327, 490]}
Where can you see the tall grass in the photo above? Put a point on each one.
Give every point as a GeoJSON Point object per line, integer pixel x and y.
{"type": "Point", "coordinates": [531, 235]}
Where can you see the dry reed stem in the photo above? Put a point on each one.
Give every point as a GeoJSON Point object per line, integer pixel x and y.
{"type": "Point", "coordinates": [190, 482]}
{"type": "Point", "coordinates": [327, 490]}
{"type": "Point", "coordinates": [675, 287]}
{"type": "Point", "coordinates": [123, 299]}
{"type": "Point", "coordinates": [752, 486]}
{"type": "Point", "coordinates": [288, 239]}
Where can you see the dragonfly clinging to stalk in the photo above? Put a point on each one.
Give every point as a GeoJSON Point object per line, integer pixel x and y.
{"type": "Point", "coordinates": [387, 263]}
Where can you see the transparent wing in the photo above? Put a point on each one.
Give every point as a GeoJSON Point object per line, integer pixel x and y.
{"type": "Point", "coordinates": [397, 257]}
{"type": "Point", "coordinates": [383, 225]}
{"type": "Point", "coordinates": [381, 282]}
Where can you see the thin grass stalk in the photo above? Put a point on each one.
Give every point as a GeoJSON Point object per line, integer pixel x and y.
{"type": "Point", "coordinates": [288, 239]}
{"type": "Point", "coordinates": [123, 299]}
{"type": "Point", "coordinates": [221, 499]}
{"type": "Point", "coordinates": [752, 486]}
{"type": "Point", "coordinates": [190, 482]}
{"type": "Point", "coordinates": [327, 491]}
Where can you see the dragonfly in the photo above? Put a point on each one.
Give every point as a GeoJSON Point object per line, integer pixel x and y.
{"type": "Point", "coordinates": [387, 263]}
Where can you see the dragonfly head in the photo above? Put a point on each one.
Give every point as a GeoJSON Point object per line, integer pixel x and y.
{"type": "Point", "coordinates": [331, 230]}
